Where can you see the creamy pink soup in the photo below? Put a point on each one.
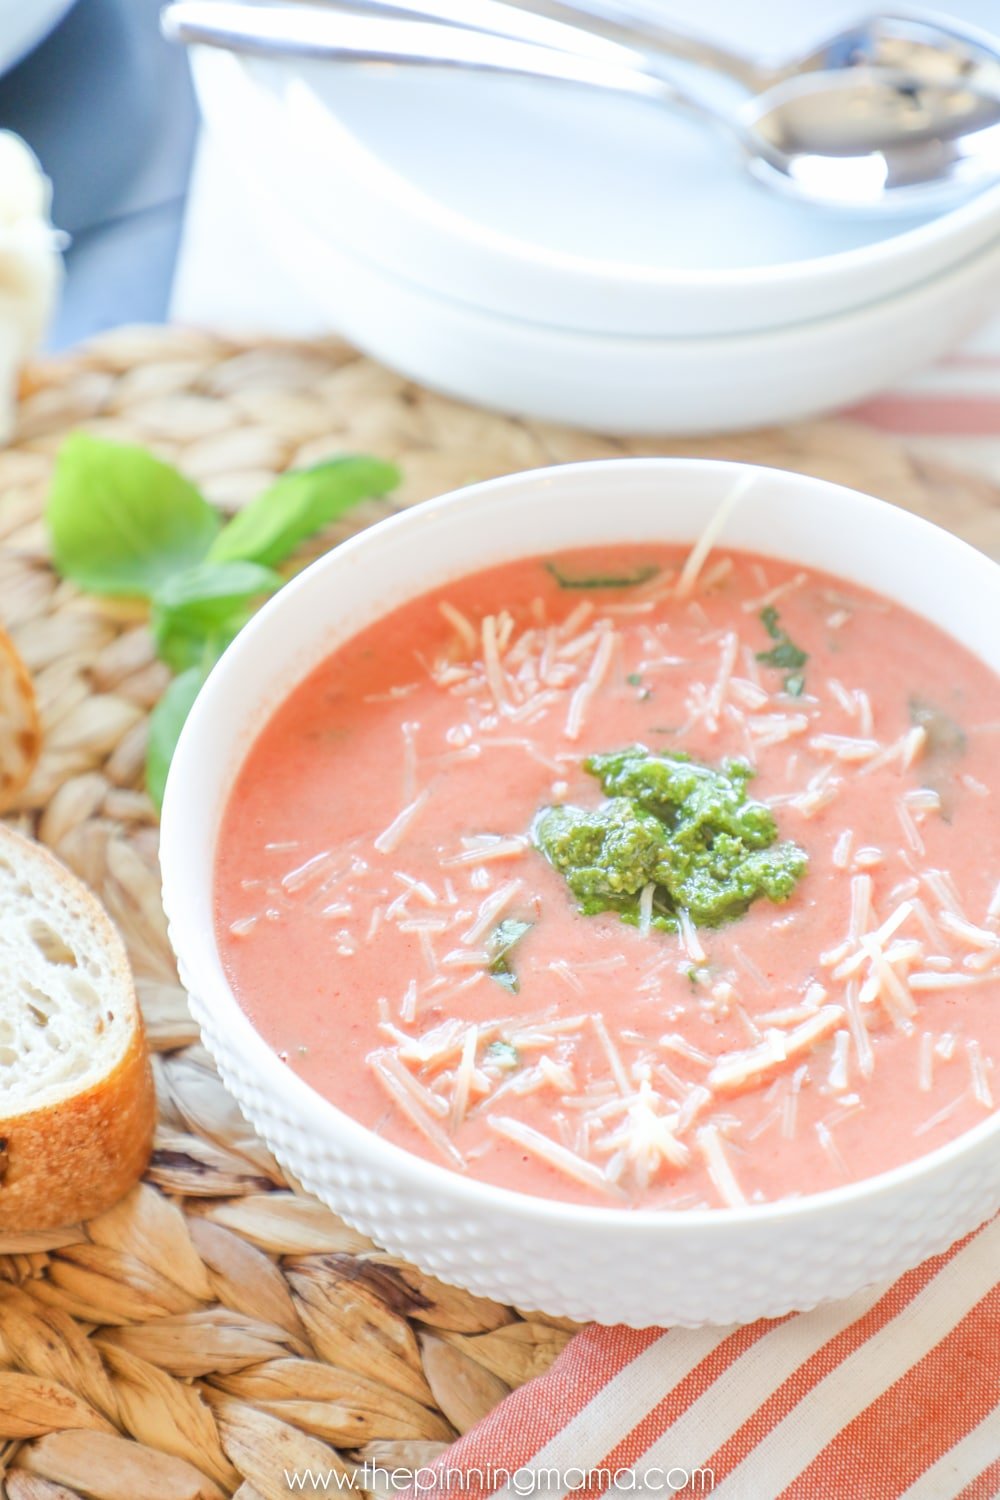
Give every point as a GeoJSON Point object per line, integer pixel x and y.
{"type": "Point", "coordinates": [379, 831]}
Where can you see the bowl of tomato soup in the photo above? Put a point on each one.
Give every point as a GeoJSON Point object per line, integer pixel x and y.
{"type": "Point", "coordinates": [597, 869]}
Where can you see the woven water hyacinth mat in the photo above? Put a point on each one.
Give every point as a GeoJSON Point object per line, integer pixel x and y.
{"type": "Point", "coordinates": [219, 1327]}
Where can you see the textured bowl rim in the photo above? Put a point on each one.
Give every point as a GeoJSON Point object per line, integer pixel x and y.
{"type": "Point", "coordinates": [319, 1114]}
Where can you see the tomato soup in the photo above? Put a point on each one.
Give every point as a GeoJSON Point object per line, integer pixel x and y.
{"type": "Point", "coordinates": [630, 879]}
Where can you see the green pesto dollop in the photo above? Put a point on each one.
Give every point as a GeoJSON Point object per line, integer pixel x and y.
{"type": "Point", "coordinates": [686, 829]}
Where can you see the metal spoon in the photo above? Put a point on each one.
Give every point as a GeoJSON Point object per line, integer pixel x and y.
{"type": "Point", "coordinates": [861, 139]}
{"type": "Point", "coordinates": [963, 63]}
{"type": "Point", "coordinates": [929, 47]}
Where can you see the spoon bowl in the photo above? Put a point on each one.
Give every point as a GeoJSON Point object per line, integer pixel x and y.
{"type": "Point", "coordinates": [928, 47]}
{"type": "Point", "coordinates": [866, 138]}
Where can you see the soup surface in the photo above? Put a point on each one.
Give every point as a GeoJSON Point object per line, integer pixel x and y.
{"type": "Point", "coordinates": [770, 990]}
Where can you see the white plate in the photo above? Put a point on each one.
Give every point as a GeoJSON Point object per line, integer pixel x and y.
{"type": "Point", "coordinates": [565, 207]}
{"type": "Point", "coordinates": [621, 384]}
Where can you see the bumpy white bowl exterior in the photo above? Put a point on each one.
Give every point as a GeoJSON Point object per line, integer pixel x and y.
{"type": "Point", "coordinates": [640, 1268]}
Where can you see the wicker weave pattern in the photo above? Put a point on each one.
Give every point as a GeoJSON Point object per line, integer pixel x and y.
{"type": "Point", "coordinates": [220, 1327]}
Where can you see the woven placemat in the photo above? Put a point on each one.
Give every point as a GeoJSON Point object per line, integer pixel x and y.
{"type": "Point", "coordinates": [219, 1328]}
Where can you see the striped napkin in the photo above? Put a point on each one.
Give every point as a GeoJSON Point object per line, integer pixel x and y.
{"type": "Point", "coordinates": [951, 410]}
{"type": "Point", "coordinates": [892, 1393]}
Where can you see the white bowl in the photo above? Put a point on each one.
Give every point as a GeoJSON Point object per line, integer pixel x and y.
{"type": "Point", "coordinates": [559, 207]}
{"type": "Point", "coordinates": [617, 383]}
{"type": "Point", "coordinates": [722, 1266]}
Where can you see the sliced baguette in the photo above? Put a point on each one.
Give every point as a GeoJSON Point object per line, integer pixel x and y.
{"type": "Point", "coordinates": [20, 732]}
{"type": "Point", "coordinates": [77, 1106]}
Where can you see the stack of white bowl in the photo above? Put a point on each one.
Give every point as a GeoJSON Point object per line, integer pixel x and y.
{"type": "Point", "coordinates": [578, 257]}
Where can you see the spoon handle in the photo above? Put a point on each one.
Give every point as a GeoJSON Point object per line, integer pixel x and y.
{"type": "Point", "coordinates": [310, 31]}
{"type": "Point", "coordinates": [640, 31]}
{"type": "Point", "coordinates": [587, 28]}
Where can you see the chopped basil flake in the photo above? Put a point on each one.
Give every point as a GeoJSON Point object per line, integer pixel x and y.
{"type": "Point", "coordinates": [784, 654]}
{"type": "Point", "coordinates": [501, 940]}
{"type": "Point", "coordinates": [502, 1055]}
{"type": "Point", "coordinates": [945, 741]}
{"type": "Point", "coordinates": [944, 735]}
{"type": "Point", "coordinates": [641, 574]}
{"type": "Point", "coordinates": [634, 679]}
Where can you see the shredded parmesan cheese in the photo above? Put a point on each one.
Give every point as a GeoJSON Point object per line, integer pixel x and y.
{"type": "Point", "coordinates": [697, 557]}
{"type": "Point", "coordinates": [550, 1151]}
{"type": "Point", "coordinates": [969, 933]}
{"type": "Point", "coordinates": [713, 1151]}
{"type": "Point", "coordinates": [390, 838]}
{"type": "Point", "coordinates": [754, 606]}
{"type": "Point", "coordinates": [417, 1103]}
{"type": "Point", "coordinates": [925, 1063]}
{"type": "Point", "coordinates": [842, 849]}
{"type": "Point", "coordinates": [734, 1069]}
{"type": "Point", "coordinates": [463, 627]}
{"type": "Point", "coordinates": [490, 909]}
{"type": "Point", "coordinates": [463, 1077]}
{"type": "Point", "coordinates": [588, 687]}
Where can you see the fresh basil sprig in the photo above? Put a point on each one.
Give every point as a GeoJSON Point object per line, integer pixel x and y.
{"type": "Point", "coordinates": [298, 505]}
{"type": "Point", "coordinates": [165, 725]}
{"type": "Point", "coordinates": [207, 604]}
{"type": "Point", "coordinates": [123, 522]}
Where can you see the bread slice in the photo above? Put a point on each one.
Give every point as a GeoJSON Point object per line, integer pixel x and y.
{"type": "Point", "coordinates": [20, 732]}
{"type": "Point", "coordinates": [77, 1107]}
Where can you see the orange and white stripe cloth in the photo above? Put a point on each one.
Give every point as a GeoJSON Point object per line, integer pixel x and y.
{"type": "Point", "coordinates": [892, 1393]}
{"type": "Point", "coordinates": [951, 410]}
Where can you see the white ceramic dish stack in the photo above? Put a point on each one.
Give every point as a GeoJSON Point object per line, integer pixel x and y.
{"type": "Point", "coordinates": [701, 1266]}
{"type": "Point", "coordinates": [569, 255]}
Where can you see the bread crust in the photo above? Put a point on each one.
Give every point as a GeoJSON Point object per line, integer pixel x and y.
{"type": "Point", "coordinates": [74, 1157]}
{"type": "Point", "coordinates": [20, 727]}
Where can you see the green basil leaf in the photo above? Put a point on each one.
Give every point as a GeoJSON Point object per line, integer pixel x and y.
{"type": "Point", "coordinates": [630, 580]}
{"type": "Point", "coordinates": [165, 725]}
{"type": "Point", "coordinates": [207, 593]}
{"type": "Point", "coordinates": [298, 505]}
{"type": "Point", "coordinates": [785, 655]}
{"type": "Point", "coordinates": [769, 620]}
{"type": "Point", "coordinates": [182, 646]}
{"type": "Point", "coordinates": [206, 603]}
{"type": "Point", "coordinates": [498, 946]}
{"type": "Point", "coordinates": [120, 520]}
{"type": "Point", "coordinates": [206, 597]}
{"type": "Point", "coordinates": [503, 1055]}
